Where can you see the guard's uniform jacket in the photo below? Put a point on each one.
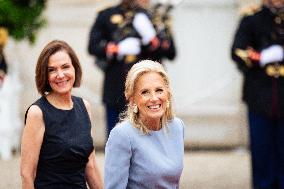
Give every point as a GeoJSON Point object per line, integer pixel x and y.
{"type": "Point", "coordinates": [107, 29]}
{"type": "Point", "coordinates": [113, 25]}
{"type": "Point", "coordinates": [263, 88]}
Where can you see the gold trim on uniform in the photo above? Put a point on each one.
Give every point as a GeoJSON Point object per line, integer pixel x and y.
{"type": "Point", "coordinates": [116, 19]}
{"type": "Point", "coordinates": [275, 70]}
{"type": "Point", "coordinates": [278, 20]}
{"type": "Point", "coordinates": [130, 59]}
{"type": "Point", "coordinates": [281, 70]}
{"type": "Point", "coordinates": [243, 54]}
{"type": "Point", "coordinates": [129, 14]}
{"type": "Point", "coordinates": [270, 70]}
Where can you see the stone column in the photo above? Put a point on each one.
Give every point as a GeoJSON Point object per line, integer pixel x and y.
{"type": "Point", "coordinates": [206, 83]}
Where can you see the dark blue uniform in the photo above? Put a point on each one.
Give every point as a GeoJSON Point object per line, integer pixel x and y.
{"type": "Point", "coordinates": [263, 93]}
{"type": "Point", "coordinates": [113, 25]}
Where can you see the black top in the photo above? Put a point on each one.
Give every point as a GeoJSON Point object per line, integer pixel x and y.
{"type": "Point", "coordinates": [66, 146]}
{"type": "Point", "coordinates": [262, 93]}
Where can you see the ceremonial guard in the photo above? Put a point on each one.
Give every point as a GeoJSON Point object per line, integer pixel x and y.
{"type": "Point", "coordinates": [258, 52]}
{"type": "Point", "coordinates": [121, 36]}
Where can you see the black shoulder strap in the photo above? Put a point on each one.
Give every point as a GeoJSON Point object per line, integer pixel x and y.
{"type": "Point", "coordinates": [35, 103]}
{"type": "Point", "coordinates": [27, 114]}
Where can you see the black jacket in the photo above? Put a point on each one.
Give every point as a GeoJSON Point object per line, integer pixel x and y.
{"type": "Point", "coordinates": [264, 94]}
{"type": "Point", "coordinates": [107, 29]}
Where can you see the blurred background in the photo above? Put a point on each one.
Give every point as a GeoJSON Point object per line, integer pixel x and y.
{"type": "Point", "coordinates": [205, 82]}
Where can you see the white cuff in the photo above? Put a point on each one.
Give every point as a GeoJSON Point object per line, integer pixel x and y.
{"type": "Point", "coordinates": [144, 27]}
{"type": "Point", "coordinates": [129, 46]}
{"type": "Point", "coordinates": [274, 53]}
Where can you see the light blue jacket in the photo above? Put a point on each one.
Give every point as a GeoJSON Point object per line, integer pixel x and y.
{"type": "Point", "coordinates": [134, 160]}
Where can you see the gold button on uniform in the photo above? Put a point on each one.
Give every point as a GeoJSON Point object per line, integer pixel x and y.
{"type": "Point", "coordinates": [275, 70]}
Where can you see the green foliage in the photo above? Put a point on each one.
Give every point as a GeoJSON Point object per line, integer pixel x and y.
{"type": "Point", "coordinates": [22, 18]}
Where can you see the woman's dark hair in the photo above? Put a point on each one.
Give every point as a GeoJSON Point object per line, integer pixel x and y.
{"type": "Point", "coordinates": [41, 73]}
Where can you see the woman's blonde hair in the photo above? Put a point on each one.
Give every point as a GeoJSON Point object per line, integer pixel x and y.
{"type": "Point", "coordinates": [137, 70]}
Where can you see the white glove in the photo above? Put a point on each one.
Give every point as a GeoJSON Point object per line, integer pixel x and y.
{"type": "Point", "coordinates": [129, 46]}
{"type": "Point", "coordinates": [144, 27]}
{"type": "Point", "coordinates": [274, 53]}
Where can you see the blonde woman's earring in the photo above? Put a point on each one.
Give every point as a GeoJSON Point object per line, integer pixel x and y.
{"type": "Point", "coordinates": [168, 104]}
{"type": "Point", "coordinates": [135, 108]}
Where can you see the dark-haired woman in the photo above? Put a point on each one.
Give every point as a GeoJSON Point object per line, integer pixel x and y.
{"type": "Point", "coordinates": [57, 147]}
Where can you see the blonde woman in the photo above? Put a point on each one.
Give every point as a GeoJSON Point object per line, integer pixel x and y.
{"type": "Point", "coordinates": [145, 150]}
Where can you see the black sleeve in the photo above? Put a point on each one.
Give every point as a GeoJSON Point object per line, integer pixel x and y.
{"type": "Point", "coordinates": [169, 53]}
{"type": "Point", "coordinates": [97, 40]}
{"type": "Point", "coordinates": [243, 39]}
{"type": "Point", "coordinates": [164, 35]}
{"type": "Point", "coordinates": [3, 64]}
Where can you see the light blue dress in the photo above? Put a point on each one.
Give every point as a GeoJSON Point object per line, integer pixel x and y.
{"type": "Point", "coordinates": [134, 160]}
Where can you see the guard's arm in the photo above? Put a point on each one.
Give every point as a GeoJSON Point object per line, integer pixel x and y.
{"type": "Point", "coordinates": [97, 43]}
{"type": "Point", "coordinates": [242, 51]}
